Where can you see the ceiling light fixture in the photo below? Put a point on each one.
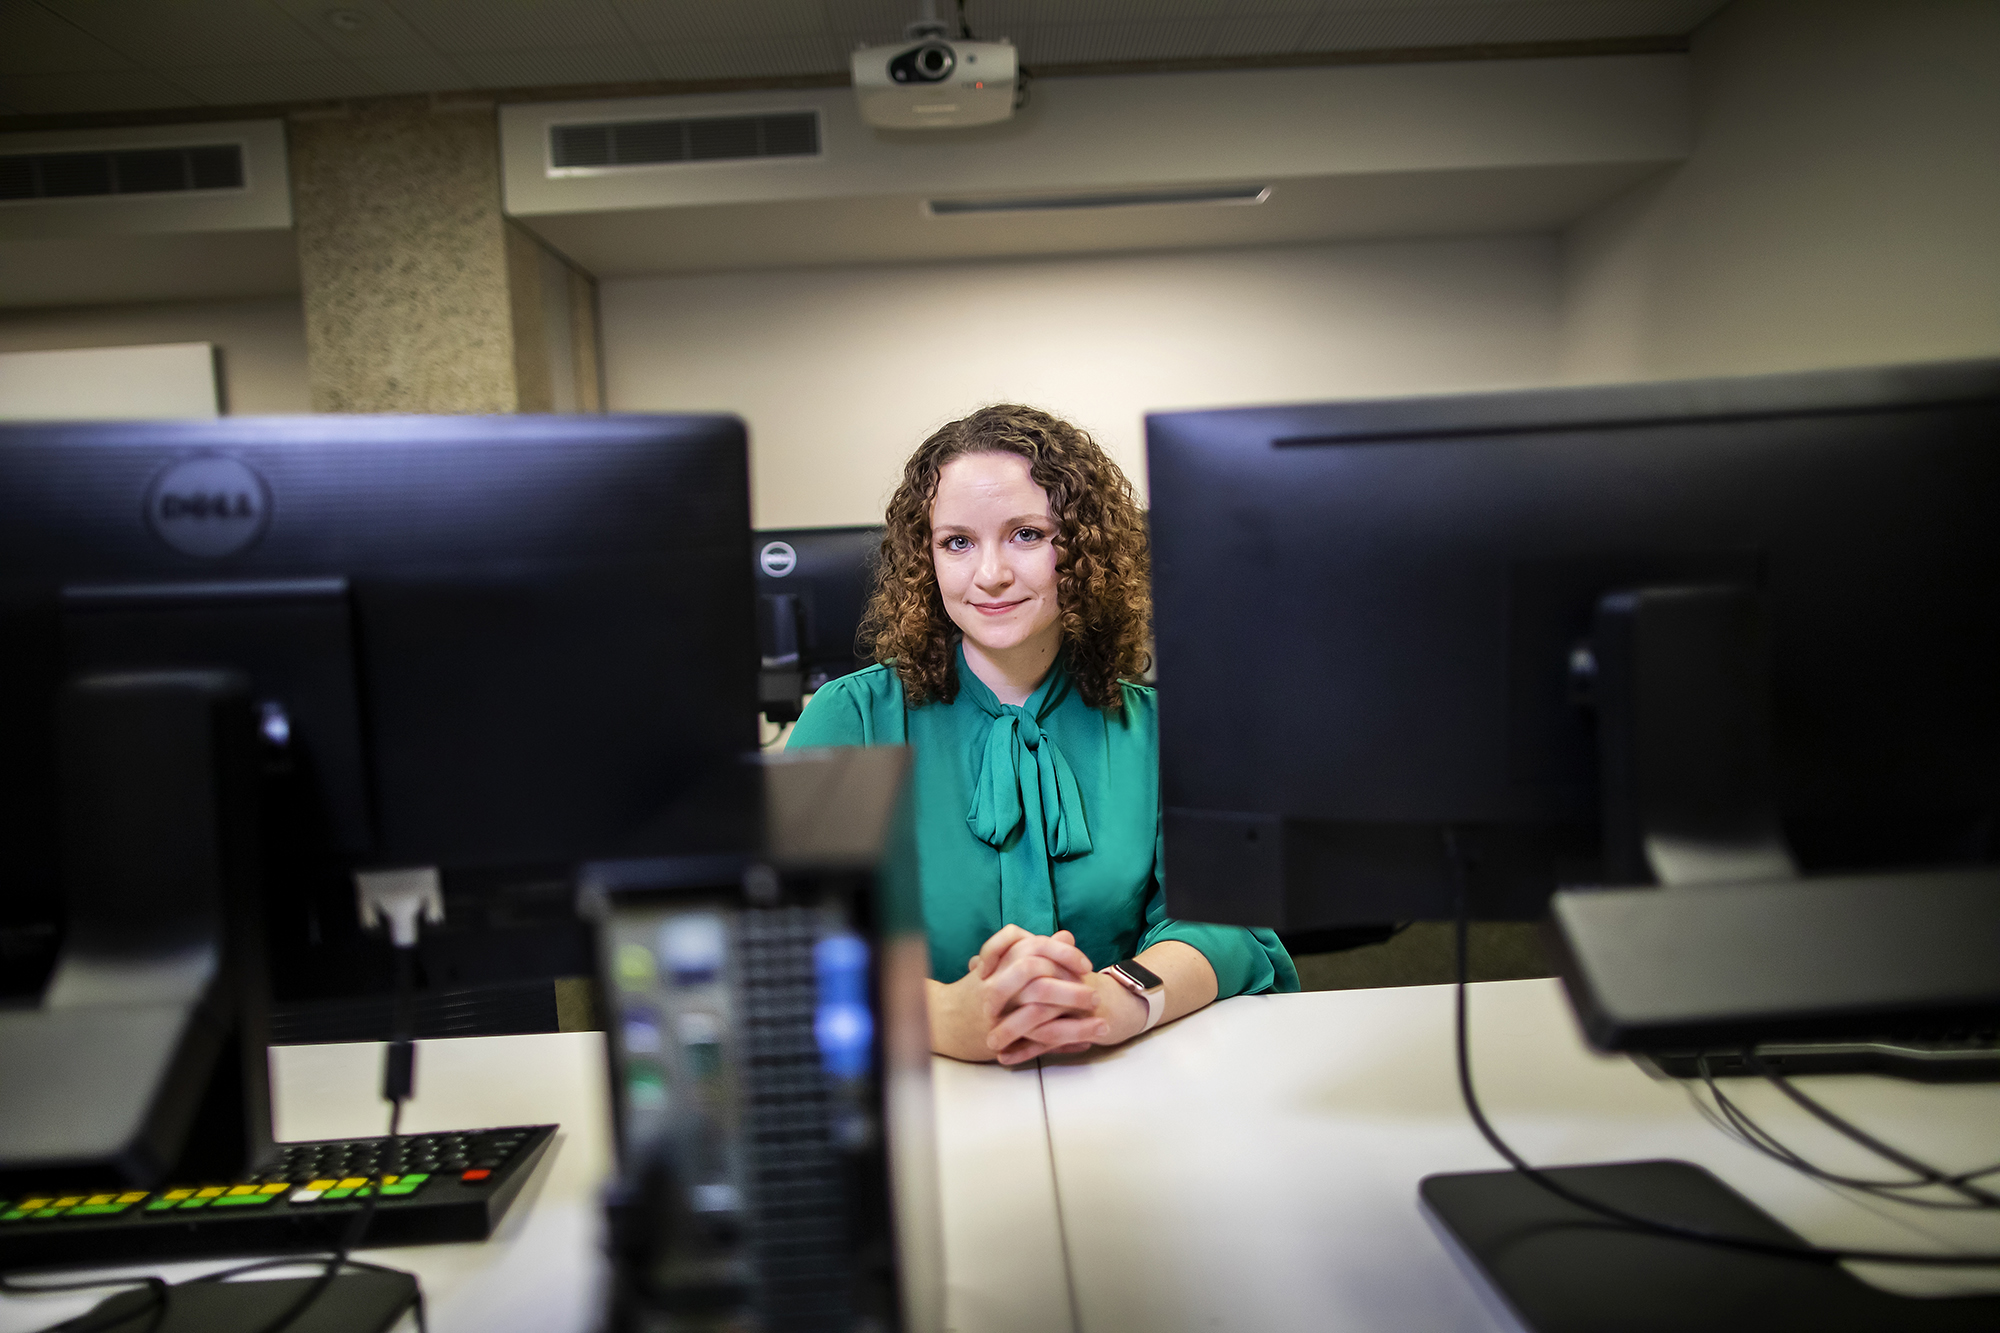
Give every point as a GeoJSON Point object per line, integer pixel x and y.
{"type": "Point", "coordinates": [1051, 203]}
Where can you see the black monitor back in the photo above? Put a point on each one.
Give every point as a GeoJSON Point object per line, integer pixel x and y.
{"type": "Point", "coordinates": [1366, 614]}
{"type": "Point", "coordinates": [829, 573]}
{"type": "Point", "coordinates": [488, 642]}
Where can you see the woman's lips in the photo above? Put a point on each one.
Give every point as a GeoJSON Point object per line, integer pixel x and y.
{"type": "Point", "coordinates": [995, 608]}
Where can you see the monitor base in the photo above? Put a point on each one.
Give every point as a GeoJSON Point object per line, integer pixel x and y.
{"type": "Point", "coordinates": [1560, 1269]}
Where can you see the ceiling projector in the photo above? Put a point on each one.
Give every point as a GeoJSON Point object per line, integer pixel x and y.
{"type": "Point", "coordinates": [934, 83]}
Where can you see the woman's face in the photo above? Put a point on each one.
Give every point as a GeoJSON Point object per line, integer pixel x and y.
{"type": "Point", "coordinates": [993, 545]}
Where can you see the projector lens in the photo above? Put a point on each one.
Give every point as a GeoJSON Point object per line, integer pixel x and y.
{"type": "Point", "coordinates": [930, 63]}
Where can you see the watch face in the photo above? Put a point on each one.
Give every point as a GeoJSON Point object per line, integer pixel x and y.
{"type": "Point", "coordinates": [1139, 972]}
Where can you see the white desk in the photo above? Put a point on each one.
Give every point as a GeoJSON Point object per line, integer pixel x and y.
{"type": "Point", "coordinates": [1255, 1166]}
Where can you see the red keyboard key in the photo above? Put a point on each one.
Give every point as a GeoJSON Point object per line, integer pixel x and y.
{"type": "Point", "coordinates": [477, 1173]}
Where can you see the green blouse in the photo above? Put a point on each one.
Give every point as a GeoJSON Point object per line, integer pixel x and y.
{"type": "Point", "coordinates": [1046, 816]}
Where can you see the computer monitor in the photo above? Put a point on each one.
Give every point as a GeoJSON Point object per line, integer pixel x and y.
{"type": "Point", "coordinates": [498, 646]}
{"type": "Point", "coordinates": [812, 588]}
{"type": "Point", "coordinates": [1384, 624]}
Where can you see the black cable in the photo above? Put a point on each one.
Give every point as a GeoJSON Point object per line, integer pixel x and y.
{"type": "Point", "coordinates": [1738, 1124]}
{"type": "Point", "coordinates": [1888, 1154]}
{"type": "Point", "coordinates": [396, 1088]}
{"type": "Point", "coordinates": [1651, 1226]}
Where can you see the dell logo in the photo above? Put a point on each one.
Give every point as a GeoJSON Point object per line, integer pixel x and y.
{"type": "Point", "coordinates": [222, 504]}
{"type": "Point", "coordinates": [777, 559]}
{"type": "Point", "coordinates": [208, 506]}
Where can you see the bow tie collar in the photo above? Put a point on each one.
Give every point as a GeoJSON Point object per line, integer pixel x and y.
{"type": "Point", "coordinates": [1025, 784]}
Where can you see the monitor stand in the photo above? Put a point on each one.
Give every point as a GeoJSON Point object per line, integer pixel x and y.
{"type": "Point", "coordinates": [147, 1054]}
{"type": "Point", "coordinates": [1559, 1269]}
{"type": "Point", "coordinates": [1679, 678]}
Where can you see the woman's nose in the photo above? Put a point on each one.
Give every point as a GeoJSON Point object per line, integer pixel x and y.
{"type": "Point", "coordinates": [994, 571]}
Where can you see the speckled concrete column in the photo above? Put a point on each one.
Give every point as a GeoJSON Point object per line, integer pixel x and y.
{"type": "Point", "coordinates": [419, 295]}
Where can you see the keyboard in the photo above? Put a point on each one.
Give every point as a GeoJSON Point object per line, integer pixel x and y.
{"type": "Point", "coordinates": [450, 1186]}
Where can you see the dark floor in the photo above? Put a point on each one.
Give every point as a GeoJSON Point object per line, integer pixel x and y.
{"type": "Point", "coordinates": [1421, 955]}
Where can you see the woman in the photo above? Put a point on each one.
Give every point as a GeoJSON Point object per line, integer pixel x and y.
{"type": "Point", "coordinates": [1010, 613]}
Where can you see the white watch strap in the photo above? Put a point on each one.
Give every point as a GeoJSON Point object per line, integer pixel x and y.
{"type": "Point", "coordinates": [1156, 998]}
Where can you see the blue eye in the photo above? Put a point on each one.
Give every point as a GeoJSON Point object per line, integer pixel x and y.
{"type": "Point", "coordinates": [955, 543]}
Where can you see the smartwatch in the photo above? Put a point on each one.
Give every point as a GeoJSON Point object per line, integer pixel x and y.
{"type": "Point", "coordinates": [1143, 982]}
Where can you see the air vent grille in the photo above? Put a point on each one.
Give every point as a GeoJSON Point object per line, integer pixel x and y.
{"type": "Point", "coordinates": [126, 171]}
{"type": "Point", "coordinates": [636, 143]}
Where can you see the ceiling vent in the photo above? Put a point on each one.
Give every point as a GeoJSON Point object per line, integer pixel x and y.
{"type": "Point", "coordinates": [1054, 203]}
{"type": "Point", "coordinates": [125, 171]}
{"type": "Point", "coordinates": [647, 143]}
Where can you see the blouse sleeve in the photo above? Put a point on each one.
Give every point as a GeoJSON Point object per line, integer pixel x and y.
{"type": "Point", "coordinates": [837, 715]}
{"type": "Point", "coordinates": [1246, 962]}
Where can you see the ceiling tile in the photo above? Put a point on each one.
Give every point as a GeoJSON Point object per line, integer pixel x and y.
{"type": "Point", "coordinates": [425, 73]}
{"type": "Point", "coordinates": [702, 21]}
{"type": "Point", "coordinates": [34, 41]}
{"type": "Point", "coordinates": [368, 27]}
{"type": "Point", "coordinates": [551, 66]}
{"type": "Point", "coordinates": [158, 34]}
{"type": "Point", "coordinates": [777, 56]}
{"type": "Point", "coordinates": [1152, 11]}
{"type": "Point", "coordinates": [1259, 35]}
{"type": "Point", "coordinates": [292, 81]}
{"type": "Point", "coordinates": [1333, 8]}
{"type": "Point", "coordinates": [879, 22]}
{"type": "Point", "coordinates": [1386, 29]}
{"type": "Point", "coordinates": [66, 94]}
{"type": "Point", "coordinates": [1579, 21]}
{"type": "Point", "coordinates": [513, 25]}
{"type": "Point", "coordinates": [1093, 43]}
{"type": "Point", "coordinates": [893, 13]}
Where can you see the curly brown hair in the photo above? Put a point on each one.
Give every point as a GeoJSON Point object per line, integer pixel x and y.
{"type": "Point", "coordinates": [1103, 566]}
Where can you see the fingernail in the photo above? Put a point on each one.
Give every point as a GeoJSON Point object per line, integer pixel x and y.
{"type": "Point", "coordinates": [1103, 1029]}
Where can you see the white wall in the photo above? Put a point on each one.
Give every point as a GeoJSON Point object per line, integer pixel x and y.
{"type": "Point", "coordinates": [262, 341]}
{"type": "Point", "coordinates": [1841, 207]}
{"type": "Point", "coordinates": [153, 380]}
{"type": "Point", "coordinates": [841, 372]}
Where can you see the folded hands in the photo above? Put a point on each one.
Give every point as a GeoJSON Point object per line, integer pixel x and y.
{"type": "Point", "coordinates": [1025, 995]}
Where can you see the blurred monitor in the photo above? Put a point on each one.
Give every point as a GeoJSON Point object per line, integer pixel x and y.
{"type": "Point", "coordinates": [494, 645]}
{"type": "Point", "coordinates": [1629, 634]}
{"type": "Point", "coordinates": [812, 588]}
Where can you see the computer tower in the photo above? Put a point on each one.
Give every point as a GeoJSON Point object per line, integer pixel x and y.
{"type": "Point", "coordinates": [763, 985]}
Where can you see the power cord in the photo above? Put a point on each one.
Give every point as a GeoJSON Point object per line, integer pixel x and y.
{"type": "Point", "coordinates": [398, 1083]}
{"type": "Point", "coordinates": [1651, 1226]}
